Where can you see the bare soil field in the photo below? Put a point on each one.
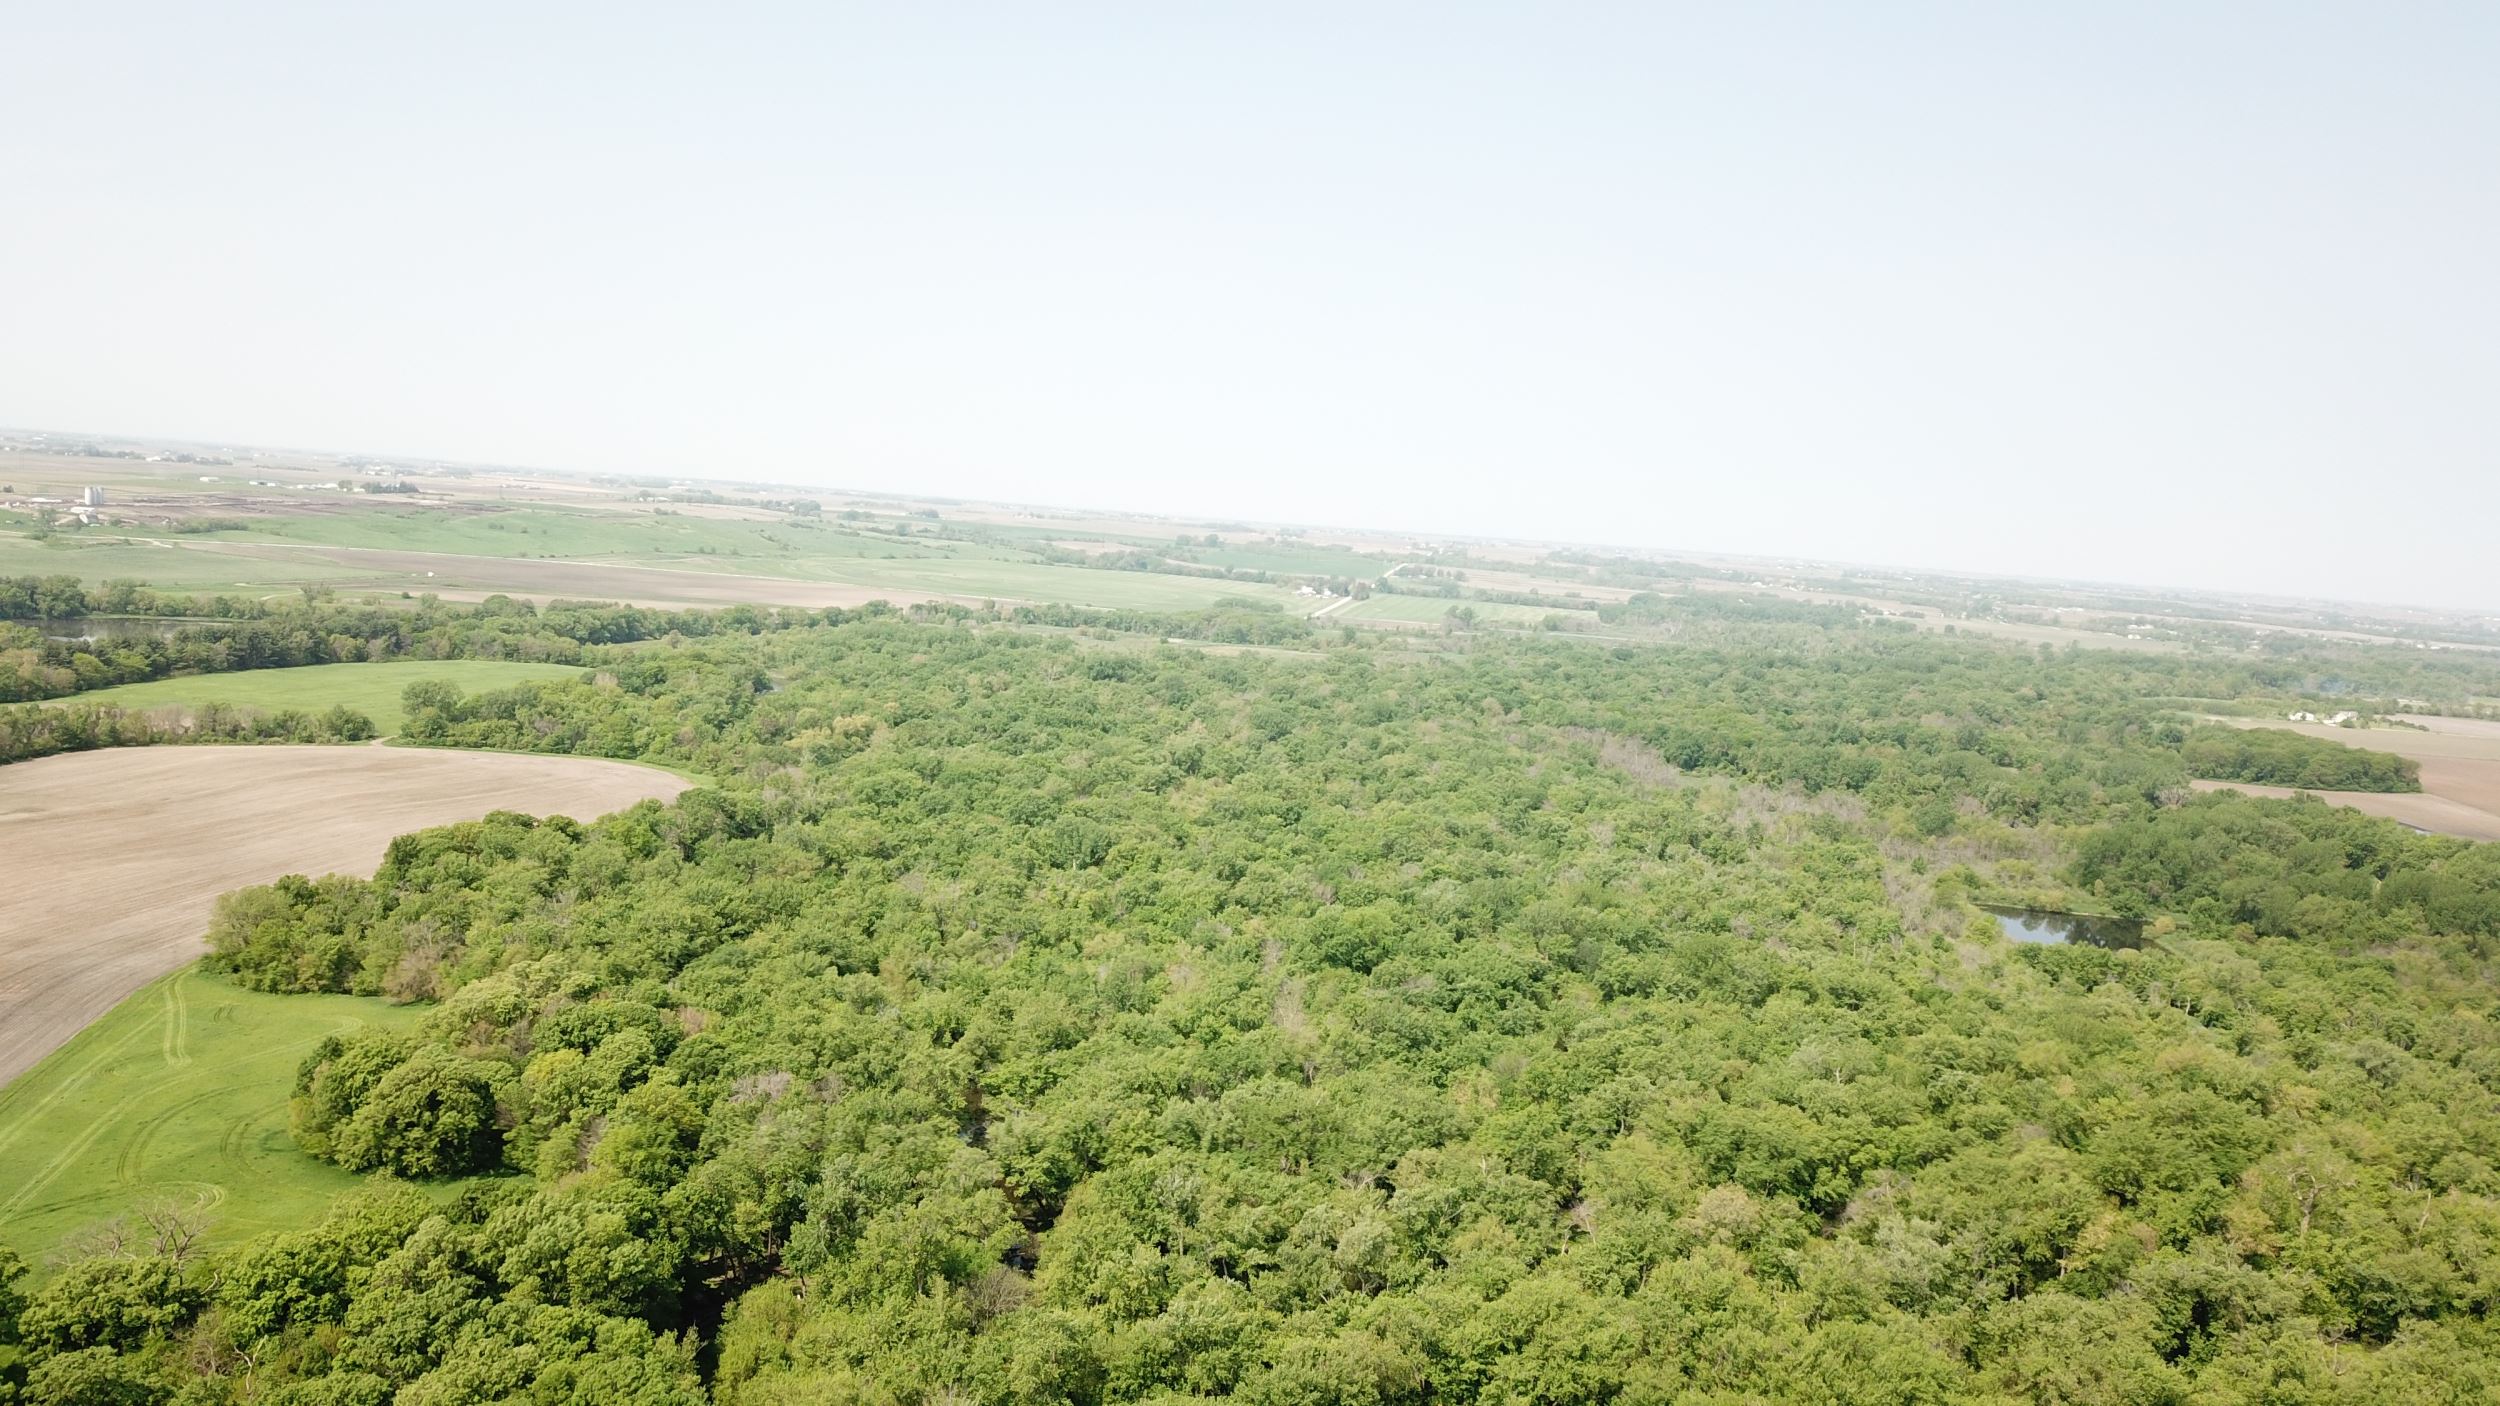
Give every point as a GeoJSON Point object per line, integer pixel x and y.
{"type": "Point", "coordinates": [2460, 764]}
{"type": "Point", "coordinates": [2437, 814]}
{"type": "Point", "coordinates": [2453, 727]}
{"type": "Point", "coordinates": [110, 861]}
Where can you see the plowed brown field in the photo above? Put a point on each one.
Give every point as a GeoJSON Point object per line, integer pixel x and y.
{"type": "Point", "coordinates": [110, 861]}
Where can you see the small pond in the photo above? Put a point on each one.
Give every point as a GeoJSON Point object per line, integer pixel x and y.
{"type": "Point", "coordinates": [2056, 929]}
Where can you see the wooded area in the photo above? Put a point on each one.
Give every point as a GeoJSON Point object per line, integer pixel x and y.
{"type": "Point", "coordinates": [2272, 758]}
{"type": "Point", "coordinates": [1032, 1017]}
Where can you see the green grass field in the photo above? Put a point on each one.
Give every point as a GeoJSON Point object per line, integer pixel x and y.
{"type": "Point", "coordinates": [370, 689]}
{"type": "Point", "coordinates": [271, 558]}
{"type": "Point", "coordinates": [620, 537]}
{"type": "Point", "coordinates": [187, 564]}
{"type": "Point", "coordinates": [1293, 558]}
{"type": "Point", "coordinates": [177, 1096]}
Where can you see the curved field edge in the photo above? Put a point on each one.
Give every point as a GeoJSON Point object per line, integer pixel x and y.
{"type": "Point", "coordinates": [176, 1098]}
{"type": "Point", "coordinates": [136, 843]}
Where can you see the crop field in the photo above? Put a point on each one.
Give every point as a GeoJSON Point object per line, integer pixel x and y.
{"type": "Point", "coordinates": [559, 533]}
{"type": "Point", "coordinates": [1295, 558]}
{"type": "Point", "coordinates": [2437, 814]}
{"type": "Point", "coordinates": [1044, 584]}
{"type": "Point", "coordinates": [177, 564]}
{"type": "Point", "coordinates": [370, 689]}
{"type": "Point", "coordinates": [176, 1098]}
{"type": "Point", "coordinates": [2460, 760]}
{"type": "Point", "coordinates": [806, 567]}
{"type": "Point", "coordinates": [1429, 610]}
{"type": "Point", "coordinates": [114, 858]}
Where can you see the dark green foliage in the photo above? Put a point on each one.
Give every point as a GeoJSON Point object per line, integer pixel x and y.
{"type": "Point", "coordinates": [2293, 868]}
{"type": "Point", "coordinates": [379, 1103]}
{"type": "Point", "coordinates": [2272, 757]}
{"type": "Point", "coordinates": [33, 730]}
{"type": "Point", "coordinates": [12, 1297]}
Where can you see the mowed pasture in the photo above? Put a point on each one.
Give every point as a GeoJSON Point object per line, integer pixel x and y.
{"type": "Point", "coordinates": [371, 689]}
{"type": "Point", "coordinates": [2460, 759]}
{"type": "Point", "coordinates": [176, 1098]}
{"type": "Point", "coordinates": [115, 858]}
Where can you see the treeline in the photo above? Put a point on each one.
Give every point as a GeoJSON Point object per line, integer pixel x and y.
{"type": "Point", "coordinates": [2273, 757]}
{"type": "Point", "coordinates": [1651, 608]}
{"type": "Point", "coordinates": [678, 707]}
{"type": "Point", "coordinates": [260, 635]}
{"type": "Point", "coordinates": [1238, 622]}
{"type": "Point", "coordinates": [32, 730]}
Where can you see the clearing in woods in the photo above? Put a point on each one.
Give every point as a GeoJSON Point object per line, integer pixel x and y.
{"type": "Point", "coordinates": [370, 689]}
{"type": "Point", "coordinates": [116, 857]}
{"type": "Point", "coordinates": [176, 1099]}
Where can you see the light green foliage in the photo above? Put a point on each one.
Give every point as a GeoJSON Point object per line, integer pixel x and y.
{"type": "Point", "coordinates": [92, 1377]}
{"type": "Point", "coordinates": [1020, 1021]}
{"type": "Point", "coordinates": [109, 1301]}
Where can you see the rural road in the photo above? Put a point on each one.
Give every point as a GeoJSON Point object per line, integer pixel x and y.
{"type": "Point", "coordinates": [110, 861]}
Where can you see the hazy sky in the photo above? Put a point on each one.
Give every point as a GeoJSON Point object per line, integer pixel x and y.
{"type": "Point", "coordinates": [2205, 294]}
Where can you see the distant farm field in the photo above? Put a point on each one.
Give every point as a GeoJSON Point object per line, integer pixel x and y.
{"type": "Point", "coordinates": [1429, 610]}
{"type": "Point", "coordinates": [177, 1097]}
{"type": "Point", "coordinates": [2437, 814]}
{"type": "Point", "coordinates": [2460, 761]}
{"type": "Point", "coordinates": [114, 858]}
{"type": "Point", "coordinates": [370, 689]}
{"type": "Point", "coordinates": [1039, 583]}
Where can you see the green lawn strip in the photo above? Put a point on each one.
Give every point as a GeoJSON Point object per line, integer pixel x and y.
{"type": "Point", "coordinates": [371, 689]}
{"type": "Point", "coordinates": [177, 1096]}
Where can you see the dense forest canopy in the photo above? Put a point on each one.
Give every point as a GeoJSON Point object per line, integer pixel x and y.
{"type": "Point", "coordinates": [1026, 1016]}
{"type": "Point", "coordinates": [2277, 758]}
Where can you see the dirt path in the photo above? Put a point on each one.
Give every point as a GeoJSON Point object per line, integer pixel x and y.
{"type": "Point", "coordinates": [110, 861]}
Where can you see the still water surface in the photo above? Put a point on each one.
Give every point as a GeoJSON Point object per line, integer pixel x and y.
{"type": "Point", "coordinates": [2033, 925]}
